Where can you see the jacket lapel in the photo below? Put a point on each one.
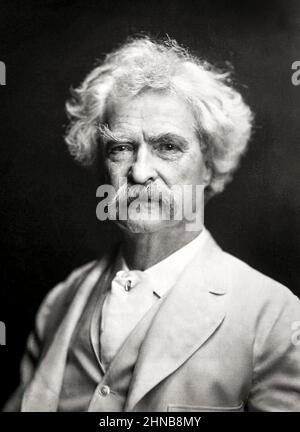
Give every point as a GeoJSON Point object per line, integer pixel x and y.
{"type": "Point", "coordinates": [187, 317]}
{"type": "Point", "coordinates": [43, 392]}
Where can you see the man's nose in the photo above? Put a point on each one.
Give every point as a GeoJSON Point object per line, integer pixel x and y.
{"type": "Point", "coordinates": [142, 169]}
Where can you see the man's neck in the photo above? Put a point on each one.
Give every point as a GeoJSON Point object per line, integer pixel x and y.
{"type": "Point", "coordinates": [143, 250]}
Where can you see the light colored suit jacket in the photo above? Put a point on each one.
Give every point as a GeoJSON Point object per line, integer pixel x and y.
{"type": "Point", "coordinates": [222, 340]}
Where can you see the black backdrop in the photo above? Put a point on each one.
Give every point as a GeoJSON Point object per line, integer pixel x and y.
{"type": "Point", "coordinates": [48, 223]}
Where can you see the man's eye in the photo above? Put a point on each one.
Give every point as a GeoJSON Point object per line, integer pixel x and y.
{"type": "Point", "coordinates": [170, 148]}
{"type": "Point", "coordinates": [120, 148]}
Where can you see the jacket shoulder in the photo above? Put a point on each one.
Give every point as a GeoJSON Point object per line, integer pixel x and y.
{"type": "Point", "coordinates": [63, 287]}
{"type": "Point", "coordinates": [56, 301]}
{"type": "Point", "coordinates": [256, 295]}
{"type": "Point", "coordinates": [244, 277]}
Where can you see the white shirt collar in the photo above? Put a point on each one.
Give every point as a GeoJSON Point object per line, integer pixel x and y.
{"type": "Point", "coordinates": [165, 273]}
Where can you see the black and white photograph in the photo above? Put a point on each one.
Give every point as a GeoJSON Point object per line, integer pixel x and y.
{"type": "Point", "coordinates": [150, 207]}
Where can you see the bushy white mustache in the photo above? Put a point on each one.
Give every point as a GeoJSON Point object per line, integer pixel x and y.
{"type": "Point", "coordinates": [152, 192]}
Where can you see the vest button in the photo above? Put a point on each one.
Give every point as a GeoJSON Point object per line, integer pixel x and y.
{"type": "Point", "coordinates": [104, 390]}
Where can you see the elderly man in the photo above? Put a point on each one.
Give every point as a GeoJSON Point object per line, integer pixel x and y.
{"type": "Point", "coordinates": [168, 321]}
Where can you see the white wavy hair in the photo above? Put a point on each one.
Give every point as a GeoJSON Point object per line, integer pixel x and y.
{"type": "Point", "coordinates": [223, 119]}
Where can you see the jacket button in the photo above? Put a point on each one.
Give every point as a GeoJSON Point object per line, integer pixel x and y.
{"type": "Point", "coordinates": [104, 390]}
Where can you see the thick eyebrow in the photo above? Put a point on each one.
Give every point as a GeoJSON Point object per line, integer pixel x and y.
{"type": "Point", "coordinates": [165, 138]}
{"type": "Point", "coordinates": [169, 138]}
{"type": "Point", "coordinates": [108, 136]}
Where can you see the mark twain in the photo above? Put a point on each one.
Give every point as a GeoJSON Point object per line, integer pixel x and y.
{"type": "Point", "coordinates": [168, 321]}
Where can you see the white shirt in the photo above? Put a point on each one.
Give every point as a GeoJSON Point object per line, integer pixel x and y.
{"type": "Point", "coordinates": [133, 292]}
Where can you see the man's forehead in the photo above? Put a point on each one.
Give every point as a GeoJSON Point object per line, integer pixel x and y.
{"type": "Point", "coordinates": [151, 115]}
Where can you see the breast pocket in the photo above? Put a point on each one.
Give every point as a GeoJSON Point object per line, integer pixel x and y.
{"type": "Point", "coordinates": [199, 408]}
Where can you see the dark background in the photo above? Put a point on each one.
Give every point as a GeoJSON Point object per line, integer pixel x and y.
{"type": "Point", "coordinates": [48, 223]}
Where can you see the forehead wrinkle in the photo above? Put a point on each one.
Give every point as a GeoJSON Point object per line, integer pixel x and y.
{"type": "Point", "coordinates": [140, 122]}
